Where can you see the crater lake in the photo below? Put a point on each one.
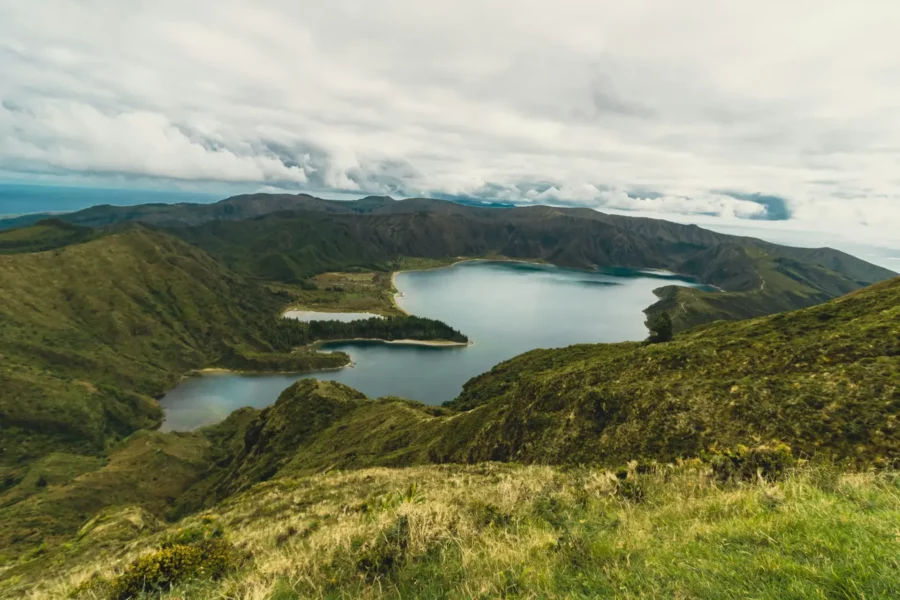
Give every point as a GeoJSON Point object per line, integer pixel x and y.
{"type": "Point", "coordinates": [506, 308]}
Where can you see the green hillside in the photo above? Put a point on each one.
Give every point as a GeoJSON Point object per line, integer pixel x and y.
{"type": "Point", "coordinates": [91, 333]}
{"type": "Point", "coordinates": [503, 531]}
{"type": "Point", "coordinates": [44, 235]}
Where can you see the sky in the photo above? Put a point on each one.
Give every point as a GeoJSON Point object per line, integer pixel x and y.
{"type": "Point", "coordinates": [773, 115]}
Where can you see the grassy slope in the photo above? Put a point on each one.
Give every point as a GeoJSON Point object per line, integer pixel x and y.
{"type": "Point", "coordinates": [149, 470]}
{"type": "Point", "coordinates": [365, 291]}
{"type": "Point", "coordinates": [89, 333]}
{"type": "Point", "coordinates": [762, 283]}
{"type": "Point", "coordinates": [491, 531]}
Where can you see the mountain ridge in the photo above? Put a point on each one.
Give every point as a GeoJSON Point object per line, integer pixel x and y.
{"type": "Point", "coordinates": [288, 238]}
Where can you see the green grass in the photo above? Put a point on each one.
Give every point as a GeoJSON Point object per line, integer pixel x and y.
{"type": "Point", "coordinates": [365, 291]}
{"type": "Point", "coordinates": [490, 530]}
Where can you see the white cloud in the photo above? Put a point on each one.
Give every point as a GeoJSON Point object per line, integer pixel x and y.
{"type": "Point", "coordinates": [647, 106]}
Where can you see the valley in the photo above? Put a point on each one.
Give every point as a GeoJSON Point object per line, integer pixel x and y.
{"type": "Point", "coordinates": [567, 431]}
{"type": "Point", "coordinates": [505, 308]}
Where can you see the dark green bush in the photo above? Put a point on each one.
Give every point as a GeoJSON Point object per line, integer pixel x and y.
{"type": "Point", "coordinates": [661, 329]}
{"type": "Point", "coordinates": [630, 489]}
{"type": "Point", "coordinates": [551, 509]}
{"type": "Point", "coordinates": [486, 514]}
{"type": "Point", "coordinates": [387, 553]}
{"type": "Point", "coordinates": [748, 464]}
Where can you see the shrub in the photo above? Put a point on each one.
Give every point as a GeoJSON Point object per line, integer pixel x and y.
{"type": "Point", "coordinates": [387, 553]}
{"type": "Point", "coordinates": [159, 571]}
{"type": "Point", "coordinates": [661, 329]}
{"type": "Point", "coordinates": [392, 500]}
{"type": "Point", "coordinates": [630, 489]}
{"type": "Point", "coordinates": [486, 514]}
{"type": "Point", "coordinates": [746, 464]}
{"type": "Point", "coordinates": [551, 509]}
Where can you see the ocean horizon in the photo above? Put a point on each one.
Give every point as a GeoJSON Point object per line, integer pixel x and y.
{"type": "Point", "coordinates": [22, 199]}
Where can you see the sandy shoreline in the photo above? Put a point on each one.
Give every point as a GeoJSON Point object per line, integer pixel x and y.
{"type": "Point", "coordinates": [435, 343]}
{"type": "Point", "coordinates": [223, 371]}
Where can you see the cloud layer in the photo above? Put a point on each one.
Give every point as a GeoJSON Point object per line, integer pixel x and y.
{"type": "Point", "coordinates": [767, 110]}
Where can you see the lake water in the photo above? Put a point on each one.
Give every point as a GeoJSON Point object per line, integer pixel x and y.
{"type": "Point", "coordinates": [505, 309]}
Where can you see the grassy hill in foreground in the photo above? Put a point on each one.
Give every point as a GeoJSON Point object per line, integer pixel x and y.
{"type": "Point", "coordinates": [504, 531]}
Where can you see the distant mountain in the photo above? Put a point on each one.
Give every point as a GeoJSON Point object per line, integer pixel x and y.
{"type": "Point", "coordinates": [760, 277]}
{"type": "Point", "coordinates": [290, 237]}
{"type": "Point", "coordinates": [246, 206]}
{"type": "Point", "coordinates": [46, 234]}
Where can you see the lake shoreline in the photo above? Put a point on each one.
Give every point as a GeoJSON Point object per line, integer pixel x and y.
{"type": "Point", "coordinates": [404, 342]}
{"type": "Point", "coordinates": [224, 371]}
{"type": "Point", "coordinates": [300, 310]}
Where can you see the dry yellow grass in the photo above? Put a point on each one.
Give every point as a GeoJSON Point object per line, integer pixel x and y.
{"type": "Point", "coordinates": [495, 530]}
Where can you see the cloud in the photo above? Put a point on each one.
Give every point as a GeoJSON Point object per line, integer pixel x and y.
{"type": "Point", "coordinates": [650, 107]}
{"type": "Point", "coordinates": [776, 208]}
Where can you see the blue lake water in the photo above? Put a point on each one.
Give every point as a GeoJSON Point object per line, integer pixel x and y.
{"type": "Point", "coordinates": [505, 309]}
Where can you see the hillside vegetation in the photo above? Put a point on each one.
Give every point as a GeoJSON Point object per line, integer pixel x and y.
{"type": "Point", "coordinates": [44, 235]}
{"type": "Point", "coordinates": [823, 380]}
{"type": "Point", "coordinates": [740, 459]}
{"type": "Point", "coordinates": [91, 332]}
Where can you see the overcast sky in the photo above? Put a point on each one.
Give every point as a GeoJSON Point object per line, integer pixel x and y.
{"type": "Point", "coordinates": [704, 109]}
